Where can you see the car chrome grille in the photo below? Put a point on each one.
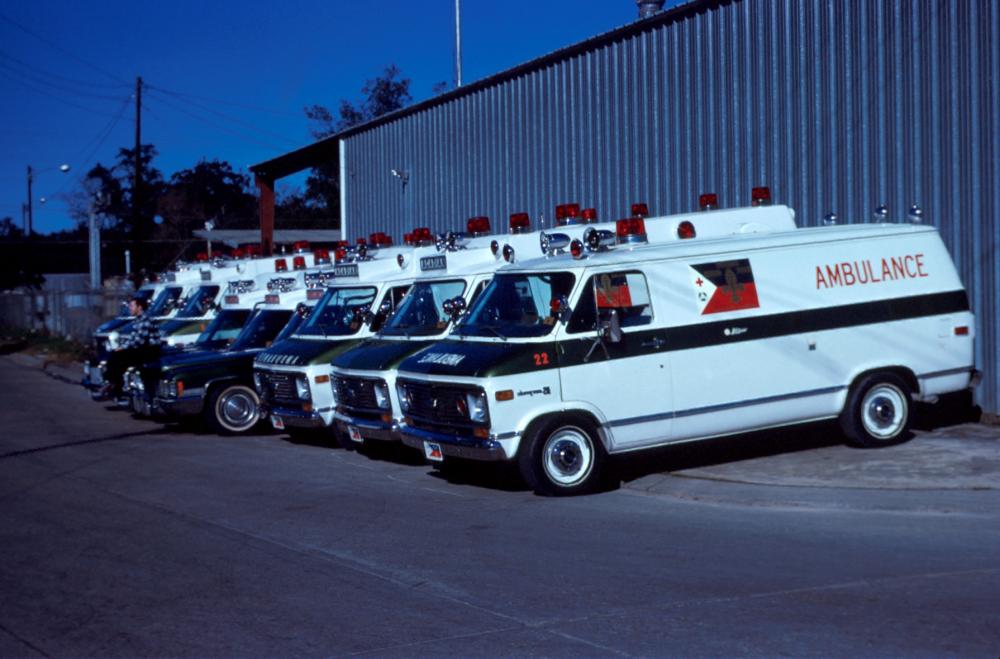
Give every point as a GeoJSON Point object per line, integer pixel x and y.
{"type": "Point", "coordinates": [278, 386]}
{"type": "Point", "coordinates": [437, 404]}
{"type": "Point", "coordinates": [356, 394]}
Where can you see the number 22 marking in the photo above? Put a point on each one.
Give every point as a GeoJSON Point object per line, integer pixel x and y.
{"type": "Point", "coordinates": [541, 359]}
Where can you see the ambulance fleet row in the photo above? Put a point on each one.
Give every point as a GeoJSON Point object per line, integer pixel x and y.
{"type": "Point", "coordinates": [556, 350]}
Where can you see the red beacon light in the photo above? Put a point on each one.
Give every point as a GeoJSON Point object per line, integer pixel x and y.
{"type": "Point", "coordinates": [408, 239]}
{"type": "Point", "coordinates": [254, 250]}
{"type": "Point", "coordinates": [218, 254]}
{"type": "Point", "coordinates": [708, 201]}
{"type": "Point", "coordinates": [362, 241]}
{"type": "Point", "coordinates": [321, 257]}
{"type": "Point", "coordinates": [380, 239]}
{"type": "Point", "coordinates": [519, 223]}
{"type": "Point", "coordinates": [478, 226]}
{"type": "Point", "coordinates": [280, 265]}
{"type": "Point", "coordinates": [201, 257]}
{"type": "Point", "coordinates": [640, 209]}
{"type": "Point", "coordinates": [576, 249]}
{"type": "Point", "coordinates": [760, 196]}
{"type": "Point", "coordinates": [300, 246]}
{"type": "Point", "coordinates": [340, 254]}
{"type": "Point", "coordinates": [570, 214]}
{"type": "Point", "coordinates": [299, 263]}
{"type": "Point", "coordinates": [631, 230]}
{"type": "Point", "coordinates": [685, 230]}
{"type": "Point", "coordinates": [589, 215]}
{"type": "Point", "coordinates": [422, 235]}
{"type": "Point", "coordinates": [239, 253]}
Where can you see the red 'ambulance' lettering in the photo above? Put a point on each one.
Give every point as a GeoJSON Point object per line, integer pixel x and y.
{"type": "Point", "coordinates": [851, 273]}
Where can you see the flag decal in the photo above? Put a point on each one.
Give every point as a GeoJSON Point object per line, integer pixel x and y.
{"type": "Point", "coordinates": [724, 286]}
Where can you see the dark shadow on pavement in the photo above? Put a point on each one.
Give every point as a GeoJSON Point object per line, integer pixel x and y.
{"type": "Point", "coordinates": [950, 410]}
{"type": "Point", "coordinates": [491, 475]}
{"type": "Point", "coordinates": [81, 442]}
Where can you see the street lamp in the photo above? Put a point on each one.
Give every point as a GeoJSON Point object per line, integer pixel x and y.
{"type": "Point", "coordinates": [28, 219]}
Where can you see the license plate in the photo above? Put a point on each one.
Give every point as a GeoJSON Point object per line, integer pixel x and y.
{"type": "Point", "coordinates": [432, 451]}
{"type": "Point", "coordinates": [277, 422]}
{"type": "Point", "coordinates": [355, 434]}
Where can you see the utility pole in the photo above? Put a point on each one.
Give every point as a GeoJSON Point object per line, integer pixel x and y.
{"type": "Point", "coordinates": [27, 229]}
{"type": "Point", "coordinates": [458, 43]}
{"type": "Point", "coordinates": [136, 196]}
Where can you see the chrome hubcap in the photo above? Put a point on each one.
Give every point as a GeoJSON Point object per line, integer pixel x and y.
{"type": "Point", "coordinates": [568, 456]}
{"type": "Point", "coordinates": [239, 409]}
{"type": "Point", "coordinates": [565, 457]}
{"type": "Point", "coordinates": [884, 411]}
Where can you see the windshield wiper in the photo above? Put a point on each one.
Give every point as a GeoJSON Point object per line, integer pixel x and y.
{"type": "Point", "coordinates": [494, 330]}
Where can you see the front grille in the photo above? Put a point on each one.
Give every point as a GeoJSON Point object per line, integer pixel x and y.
{"type": "Point", "coordinates": [438, 406]}
{"type": "Point", "coordinates": [356, 394]}
{"type": "Point", "coordinates": [279, 387]}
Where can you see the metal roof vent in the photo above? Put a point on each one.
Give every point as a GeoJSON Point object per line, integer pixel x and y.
{"type": "Point", "coordinates": [649, 7]}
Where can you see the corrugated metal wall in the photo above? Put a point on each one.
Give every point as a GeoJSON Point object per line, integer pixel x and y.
{"type": "Point", "coordinates": [837, 105]}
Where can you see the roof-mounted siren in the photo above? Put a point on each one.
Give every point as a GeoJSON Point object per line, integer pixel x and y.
{"type": "Point", "coordinates": [321, 256]}
{"type": "Point", "coordinates": [708, 201]}
{"type": "Point", "coordinates": [281, 265]}
{"type": "Point", "coordinates": [478, 226]}
{"type": "Point", "coordinates": [300, 246]}
{"type": "Point", "coordinates": [508, 253]}
{"type": "Point", "coordinates": [553, 243]}
{"type": "Point", "coordinates": [567, 214]}
{"type": "Point", "coordinates": [576, 249]}
{"type": "Point", "coordinates": [519, 223]}
{"type": "Point", "coordinates": [760, 196]}
{"type": "Point", "coordinates": [830, 219]}
{"type": "Point", "coordinates": [685, 230]}
{"type": "Point", "coordinates": [915, 215]}
{"type": "Point", "coordinates": [599, 240]}
{"type": "Point", "coordinates": [640, 209]}
{"type": "Point", "coordinates": [881, 214]}
{"type": "Point", "coordinates": [631, 230]}
{"type": "Point", "coordinates": [380, 239]}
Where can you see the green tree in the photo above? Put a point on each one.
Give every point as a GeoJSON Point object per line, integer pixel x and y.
{"type": "Point", "coordinates": [9, 230]}
{"type": "Point", "coordinates": [211, 190]}
{"type": "Point", "coordinates": [386, 93]}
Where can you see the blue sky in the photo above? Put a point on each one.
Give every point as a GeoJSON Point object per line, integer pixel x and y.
{"type": "Point", "coordinates": [229, 80]}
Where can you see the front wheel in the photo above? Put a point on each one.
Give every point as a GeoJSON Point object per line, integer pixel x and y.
{"type": "Point", "coordinates": [562, 457]}
{"type": "Point", "coordinates": [233, 409]}
{"type": "Point", "coordinates": [877, 412]}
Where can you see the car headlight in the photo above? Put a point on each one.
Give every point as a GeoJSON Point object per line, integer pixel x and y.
{"type": "Point", "coordinates": [258, 382]}
{"type": "Point", "coordinates": [404, 398]}
{"type": "Point", "coordinates": [382, 395]}
{"type": "Point", "coordinates": [169, 388]}
{"type": "Point", "coordinates": [476, 401]}
{"type": "Point", "coordinates": [302, 388]}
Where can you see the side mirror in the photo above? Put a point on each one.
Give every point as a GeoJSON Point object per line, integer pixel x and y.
{"type": "Point", "coordinates": [454, 307]}
{"type": "Point", "coordinates": [610, 328]}
{"type": "Point", "coordinates": [366, 314]}
{"type": "Point", "coordinates": [386, 308]}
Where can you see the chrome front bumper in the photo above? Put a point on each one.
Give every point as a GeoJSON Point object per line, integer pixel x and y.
{"type": "Point", "coordinates": [369, 428]}
{"type": "Point", "coordinates": [457, 447]}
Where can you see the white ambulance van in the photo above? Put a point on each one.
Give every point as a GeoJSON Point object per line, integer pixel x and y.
{"type": "Point", "coordinates": [618, 346]}
{"type": "Point", "coordinates": [364, 377]}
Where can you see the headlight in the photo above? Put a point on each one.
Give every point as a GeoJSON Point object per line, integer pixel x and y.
{"type": "Point", "coordinates": [302, 388]}
{"type": "Point", "coordinates": [258, 382]}
{"type": "Point", "coordinates": [477, 406]}
{"type": "Point", "coordinates": [169, 389]}
{"type": "Point", "coordinates": [404, 398]}
{"type": "Point", "coordinates": [382, 395]}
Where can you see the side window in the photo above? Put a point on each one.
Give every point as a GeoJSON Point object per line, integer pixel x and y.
{"type": "Point", "coordinates": [627, 293]}
{"type": "Point", "coordinates": [624, 292]}
{"type": "Point", "coordinates": [394, 296]}
{"type": "Point", "coordinates": [475, 294]}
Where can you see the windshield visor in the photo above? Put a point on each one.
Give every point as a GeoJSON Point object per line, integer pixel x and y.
{"type": "Point", "coordinates": [339, 313]}
{"type": "Point", "coordinates": [200, 302]}
{"type": "Point", "coordinates": [517, 306]}
{"type": "Point", "coordinates": [421, 312]}
{"type": "Point", "coordinates": [165, 301]}
{"type": "Point", "coordinates": [261, 330]}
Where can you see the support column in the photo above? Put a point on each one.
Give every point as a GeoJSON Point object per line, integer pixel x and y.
{"type": "Point", "coordinates": [266, 188]}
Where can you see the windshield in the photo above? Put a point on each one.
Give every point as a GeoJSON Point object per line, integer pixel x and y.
{"type": "Point", "coordinates": [517, 306]}
{"type": "Point", "coordinates": [339, 313]}
{"type": "Point", "coordinates": [261, 329]}
{"type": "Point", "coordinates": [165, 301]}
{"type": "Point", "coordinates": [293, 325]}
{"type": "Point", "coordinates": [421, 312]}
{"type": "Point", "coordinates": [200, 302]}
{"type": "Point", "coordinates": [224, 327]}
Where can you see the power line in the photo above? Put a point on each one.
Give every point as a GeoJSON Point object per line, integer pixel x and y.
{"type": "Point", "coordinates": [244, 106]}
{"type": "Point", "coordinates": [62, 50]}
{"type": "Point", "coordinates": [38, 80]}
{"type": "Point", "coordinates": [45, 92]}
{"type": "Point", "coordinates": [227, 117]}
{"type": "Point", "coordinates": [64, 79]}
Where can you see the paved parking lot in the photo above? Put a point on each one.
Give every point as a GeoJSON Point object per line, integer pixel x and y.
{"type": "Point", "coordinates": [122, 537]}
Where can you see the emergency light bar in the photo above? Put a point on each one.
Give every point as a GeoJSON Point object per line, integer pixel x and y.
{"type": "Point", "coordinates": [280, 265]}
{"type": "Point", "coordinates": [589, 215]}
{"type": "Point", "coordinates": [321, 257]}
{"type": "Point", "coordinates": [760, 196]}
{"type": "Point", "coordinates": [640, 209]}
{"type": "Point", "coordinates": [253, 250]}
{"type": "Point", "coordinates": [380, 239]}
{"type": "Point", "coordinates": [519, 223]}
{"type": "Point", "coordinates": [631, 230]}
{"type": "Point", "coordinates": [599, 240]}
{"type": "Point", "coordinates": [300, 246]}
{"type": "Point", "coordinates": [478, 226]}
{"type": "Point", "coordinates": [553, 243]}
{"type": "Point", "coordinates": [201, 257]}
{"type": "Point", "coordinates": [299, 263]}
{"type": "Point", "coordinates": [239, 253]}
{"type": "Point", "coordinates": [708, 201]}
{"type": "Point", "coordinates": [685, 230]}
{"type": "Point", "coordinates": [422, 235]}
{"type": "Point", "coordinates": [567, 214]}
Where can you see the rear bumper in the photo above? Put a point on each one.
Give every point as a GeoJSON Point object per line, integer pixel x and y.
{"type": "Point", "coordinates": [459, 447]}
